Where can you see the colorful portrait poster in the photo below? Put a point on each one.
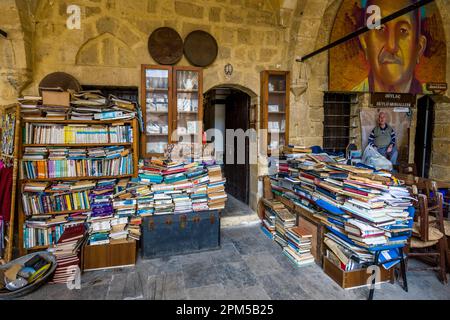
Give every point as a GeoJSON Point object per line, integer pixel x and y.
{"type": "Point", "coordinates": [402, 56]}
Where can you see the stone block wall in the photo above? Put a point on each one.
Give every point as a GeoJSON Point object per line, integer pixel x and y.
{"type": "Point", "coordinates": [440, 160]}
{"type": "Point", "coordinates": [253, 35]}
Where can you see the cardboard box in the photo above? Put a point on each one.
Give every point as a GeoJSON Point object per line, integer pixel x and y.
{"type": "Point", "coordinates": [355, 278]}
{"type": "Point", "coordinates": [56, 98]}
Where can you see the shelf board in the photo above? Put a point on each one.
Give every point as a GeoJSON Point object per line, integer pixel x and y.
{"type": "Point", "coordinates": [277, 92]}
{"type": "Point", "coordinates": [186, 91]}
{"type": "Point", "coordinates": [7, 156]}
{"type": "Point", "coordinates": [187, 112]}
{"type": "Point", "coordinates": [77, 178]}
{"type": "Point", "coordinates": [61, 213]}
{"type": "Point", "coordinates": [77, 145]}
{"type": "Point", "coordinates": [158, 112]}
{"type": "Point", "coordinates": [157, 134]}
{"type": "Point", "coordinates": [87, 122]}
{"type": "Point", "coordinates": [38, 248]}
{"type": "Point", "coordinates": [157, 89]}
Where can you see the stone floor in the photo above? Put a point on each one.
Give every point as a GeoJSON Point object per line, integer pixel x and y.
{"type": "Point", "coordinates": [237, 213]}
{"type": "Point", "coordinates": [248, 266]}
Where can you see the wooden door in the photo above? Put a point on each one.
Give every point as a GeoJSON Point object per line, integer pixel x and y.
{"type": "Point", "coordinates": [237, 117]}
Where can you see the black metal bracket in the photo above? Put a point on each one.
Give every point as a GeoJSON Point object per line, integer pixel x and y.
{"type": "Point", "coordinates": [3, 34]}
{"type": "Point", "coordinates": [360, 31]}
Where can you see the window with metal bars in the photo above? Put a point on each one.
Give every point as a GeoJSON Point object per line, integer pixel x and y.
{"type": "Point", "coordinates": [336, 126]}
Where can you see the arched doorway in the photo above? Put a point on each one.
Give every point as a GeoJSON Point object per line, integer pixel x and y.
{"type": "Point", "coordinates": [228, 108]}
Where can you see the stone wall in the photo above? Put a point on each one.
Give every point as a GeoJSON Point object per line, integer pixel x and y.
{"type": "Point", "coordinates": [253, 35]}
{"type": "Point", "coordinates": [15, 52]}
{"type": "Point", "coordinates": [440, 160]}
{"type": "Point", "coordinates": [109, 49]}
{"type": "Point", "coordinates": [112, 43]}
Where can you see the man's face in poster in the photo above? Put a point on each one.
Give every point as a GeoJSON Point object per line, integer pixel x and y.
{"type": "Point", "coordinates": [394, 50]}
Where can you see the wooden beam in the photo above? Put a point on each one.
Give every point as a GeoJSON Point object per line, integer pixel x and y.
{"type": "Point", "coordinates": [360, 31]}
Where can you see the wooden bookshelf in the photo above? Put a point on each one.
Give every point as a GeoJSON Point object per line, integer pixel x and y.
{"type": "Point", "coordinates": [134, 150]}
{"type": "Point", "coordinates": [169, 86]}
{"type": "Point", "coordinates": [275, 90]}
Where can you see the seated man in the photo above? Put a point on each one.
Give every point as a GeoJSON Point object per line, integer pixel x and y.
{"type": "Point", "coordinates": [383, 138]}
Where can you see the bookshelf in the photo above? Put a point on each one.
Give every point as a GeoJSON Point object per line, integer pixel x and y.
{"type": "Point", "coordinates": [172, 102]}
{"type": "Point", "coordinates": [275, 91]}
{"type": "Point", "coordinates": [10, 157]}
{"type": "Point", "coordinates": [132, 148]}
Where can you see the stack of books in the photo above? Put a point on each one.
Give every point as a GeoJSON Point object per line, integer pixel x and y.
{"type": "Point", "coordinates": [284, 220]}
{"type": "Point", "coordinates": [84, 106]}
{"type": "Point", "coordinates": [94, 106]}
{"type": "Point", "coordinates": [216, 188]}
{"type": "Point", "coordinates": [298, 249]}
{"type": "Point", "coordinates": [110, 217]}
{"type": "Point", "coordinates": [269, 219]}
{"type": "Point", "coordinates": [66, 251]}
{"type": "Point", "coordinates": [30, 107]}
{"type": "Point", "coordinates": [364, 210]}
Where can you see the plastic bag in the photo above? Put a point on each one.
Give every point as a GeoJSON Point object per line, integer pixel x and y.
{"type": "Point", "coordinates": [374, 159]}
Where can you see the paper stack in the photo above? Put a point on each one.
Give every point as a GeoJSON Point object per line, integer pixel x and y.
{"type": "Point", "coordinates": [298, 249]}
{"type": "Point", "coordinates": [66, 252]}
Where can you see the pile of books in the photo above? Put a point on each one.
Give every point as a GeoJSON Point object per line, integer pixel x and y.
{"type": "Point", "coordinates": [67, 253]}
{"type": "Point", "coordinates": [284, 220]}
{"type": "Point", "coordinates": [279, 224]}
{"type": "Point", "coordinates": [84, 106]}
{"type": "Point", "coordinates": [269, 219]}
{"type": "Point", "coordinates": [216, 188]}
{"type": "Point", "coordinates": [110, 218]}
{"type": "Point", "coordinates": [364, 210]}
{"type": "Point", "coordinates": [298, 249]}
{"type": "Point", "coordinates": [167, 187]}
{"type": "Point", "coordinates": [30, 107]}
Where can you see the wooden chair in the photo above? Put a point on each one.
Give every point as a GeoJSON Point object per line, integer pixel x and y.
{"type": "Point", "coordinates": [408, 168]}
{"type": "Point", "coordinates": [447, 239]}
{"type": "Point", "coordinates": [428, 242]}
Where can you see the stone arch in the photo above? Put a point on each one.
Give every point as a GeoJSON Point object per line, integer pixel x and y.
{"type": "Point", "coordinates": [106, 50]}
{"type": "Point", "coordinates": [247, 81]}
{"type": "Point", "coordinates": [236, 86]}
{"type": "Point", "coordinates": [15, 57]}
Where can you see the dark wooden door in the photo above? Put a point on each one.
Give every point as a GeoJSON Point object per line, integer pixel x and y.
{"type": "Point", "coordinates": [237, 174]}
{"type": "Point", "coordinates": [424, 135]}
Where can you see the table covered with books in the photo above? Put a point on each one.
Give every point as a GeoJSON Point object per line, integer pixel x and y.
{"type": "Point", "coordinates": [367, 215]}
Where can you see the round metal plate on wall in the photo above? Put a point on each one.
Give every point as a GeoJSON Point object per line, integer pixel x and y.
{"type": "Point", "coordinates": [61, 80]}
{"type": "Point", "coordinates": [165, 46]}
{"type": "Point", "coordinates": [200, 48]}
